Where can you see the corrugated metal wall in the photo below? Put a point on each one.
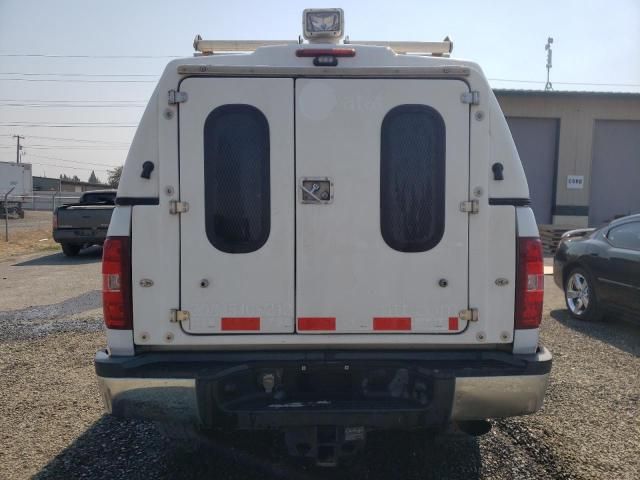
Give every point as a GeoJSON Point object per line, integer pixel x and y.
{"type": "Point", "coordinates": [615, 170]}
{"type": "Point", "coordinates": [537, 142]}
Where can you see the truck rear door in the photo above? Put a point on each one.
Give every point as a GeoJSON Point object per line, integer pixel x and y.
{"type": "Point", "coordinates": [381, 244]}
{"type": "Point", "coordinates": [237, 174]}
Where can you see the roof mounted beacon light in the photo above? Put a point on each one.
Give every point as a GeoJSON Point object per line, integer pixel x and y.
{"type": "Point", "coordinates": [323, 25]}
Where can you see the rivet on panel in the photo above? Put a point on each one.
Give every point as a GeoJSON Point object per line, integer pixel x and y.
{"type": "Point", "coordinates": [480, 336]}
{"type": "Point", "coordinates": [504, 336]}
{"type": "Point", "coordinates": [477, 191]}
{"type": "Point", "coordinates": [168, 190]}
{"type": "Point", "coordinates": [479, 115]}
{"type": "Point", "coordinates": [204, 283]}
{"type": "Point", "coordinates": [144, 336]}
{"type": "Point", "coordinates": [168, 337]}
{"type": "Point", "coordinates": [146, 282]}
{"type": "Point", "coordinates": [168, 113]}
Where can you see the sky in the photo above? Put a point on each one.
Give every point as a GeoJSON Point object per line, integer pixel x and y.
{"type": "Point", "coordinates": [76, 74]}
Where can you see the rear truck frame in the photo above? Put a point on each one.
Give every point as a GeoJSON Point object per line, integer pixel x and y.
{"type": "Point", "coordinates": [307, 393]}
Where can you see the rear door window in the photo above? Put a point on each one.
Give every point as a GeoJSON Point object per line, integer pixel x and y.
{"type": "Point", "coordinates": [108, 198]}
{"type": "Point", "coordinates": [625, 236]}
{"type": "Point", "coordinates": [412, 178]}
{"type": "Point", "coordinates": [237, 178]}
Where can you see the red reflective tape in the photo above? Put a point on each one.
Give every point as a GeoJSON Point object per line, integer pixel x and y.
{"type": "Point", "coordinates": [240, 323]}
{"type": "Point", "coordinates": [453, 323]}
{"type": "Point", "coordinates": [392, 323]}
{"type": "Point", "coordinates": [316, 323]}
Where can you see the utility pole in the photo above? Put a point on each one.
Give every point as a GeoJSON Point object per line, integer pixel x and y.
{"type": "Point", "coordinates": [547, 47]}
{"type": "Point", "coordinates": [18, 147]}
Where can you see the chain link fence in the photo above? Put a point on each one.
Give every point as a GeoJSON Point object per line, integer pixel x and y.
{"type": "Point", "coordinates": [40, 201]}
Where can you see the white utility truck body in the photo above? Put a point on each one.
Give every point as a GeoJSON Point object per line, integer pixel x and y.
{"type": "Point", "coordinates": [16, 176]}
{"type": "Point", "coordinates": [320, 224]}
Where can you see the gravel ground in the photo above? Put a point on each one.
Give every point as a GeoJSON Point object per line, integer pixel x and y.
{"type": "Point", "coordinates": [52, 426]}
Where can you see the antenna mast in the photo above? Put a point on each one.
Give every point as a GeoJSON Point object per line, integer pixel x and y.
{"type": "Point", "coordinates": [547, 47]}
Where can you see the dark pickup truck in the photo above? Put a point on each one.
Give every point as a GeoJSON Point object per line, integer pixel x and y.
{"type": "Point", "coordinates": [85, 223]}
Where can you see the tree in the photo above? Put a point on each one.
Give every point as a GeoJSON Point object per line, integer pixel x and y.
{"type": "Point", "coordinates": [93, 178]}
{"type": "Point", "coordinates": [114, 176]}
{"type": "Point", "coordinates": [75, 178]}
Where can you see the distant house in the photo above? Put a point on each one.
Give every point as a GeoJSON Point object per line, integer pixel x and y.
{"type": "Point", "coordinates": [57, 185]}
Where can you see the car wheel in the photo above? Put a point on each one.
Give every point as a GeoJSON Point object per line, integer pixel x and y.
{"type": "Point", "coordinates": [580, 296]}
{"type": "Point", "coordinates": [70, 250]}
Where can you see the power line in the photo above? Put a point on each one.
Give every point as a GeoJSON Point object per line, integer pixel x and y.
{"type": "Point", "coordinates": [65, 147]}
{"type": "Point", "coordinates": [71, 80]}
{"type": "Point", "coordinates": [566, 83]}
{"type": "Point", "coordinates": [70, 125]}
{"type": "Point", "coordinates": [43, 55]}
{"type": "Point", "coordinates": [40, 74]}
{"type": "Point", "coordinates": [70, 161]}
{"type": "Point", "coordinates": [69, 101]}
{"type": "Point", "coordinates": [38, 105]}
{"type": "Point", "coordinates": [97, 148]}
{"type": "Point", "coordinates": [81, 140]}
{"type": "Point", "coordinates": [69, 167]}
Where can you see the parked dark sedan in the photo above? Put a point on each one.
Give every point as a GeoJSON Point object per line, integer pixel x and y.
{"type": "Point", "coordinates": [599, 270]}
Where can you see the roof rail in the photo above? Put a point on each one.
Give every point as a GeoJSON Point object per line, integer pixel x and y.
{"type": "Point", "coordinates": [209, 47]}
{"type": "Point", "coordinates": [442, 48]}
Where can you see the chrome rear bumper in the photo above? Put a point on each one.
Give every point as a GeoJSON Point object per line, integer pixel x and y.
{"type": "Point", "coordinates": [460, 397]}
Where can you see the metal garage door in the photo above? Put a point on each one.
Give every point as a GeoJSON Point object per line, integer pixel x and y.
{"type": "Point", "coordinates": [615, 170]}
{"type": "Point", "coordinates": [537, 140]}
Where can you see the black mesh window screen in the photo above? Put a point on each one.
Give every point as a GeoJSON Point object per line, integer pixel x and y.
{"type": "Point", "coordinates": [412, 178]}
{"type": "Point", "coordinates": [237, 178]}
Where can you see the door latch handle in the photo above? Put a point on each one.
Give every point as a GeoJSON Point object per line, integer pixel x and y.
{"type": "Point", "coordinates": [311, 192]}
{"type": "Point", "coordinates": [316, 190]}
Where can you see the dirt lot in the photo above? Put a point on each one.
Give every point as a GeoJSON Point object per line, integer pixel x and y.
{"type": "Point", "coordinates": [52, 426]}
{"type": "Point", "coordinates": [26, 235]}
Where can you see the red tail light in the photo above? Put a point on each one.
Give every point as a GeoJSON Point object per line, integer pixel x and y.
{"type": "Point", "coordinates": [116, 283]}
{"type": "Point", "coordinates": [529, 283]}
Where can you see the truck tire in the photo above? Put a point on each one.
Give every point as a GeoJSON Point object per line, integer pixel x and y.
{"type": "Point", "coordinates": [70, 250]}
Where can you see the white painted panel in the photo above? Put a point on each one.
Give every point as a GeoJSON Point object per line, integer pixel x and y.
{"type": "Point", "coordinates": [154, 254]}
{"type": "Point", "coordinates": [120, 224]}
{"type": "Point", "coordinates": [525, 341]}
{"type": "Point", "coordinates": [497, 309]}
{"type": "Point", "coordinates": [345, 269]}
{"type": "Point", "coordinates": [526, 222]}
{"type": "Point", "coordinates": [120, 342]}
{"type": "Point", "coordinates": [257, 284]}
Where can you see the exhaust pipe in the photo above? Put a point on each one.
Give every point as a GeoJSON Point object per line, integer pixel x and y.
{"type": "Point", "coordinates": [475, 428]}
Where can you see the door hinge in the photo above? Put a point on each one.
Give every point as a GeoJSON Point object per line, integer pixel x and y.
{"type": "Point", "coordinates": [471, 98]}
{"type": "Point", "coordinates": [469, 315]}
{"type": "Point", "coordinates": [176, 207]}
{"type": "Point", "coordinates": [470, 206]}
{"type": "Point", "coordinates": [178, 316]}
{"type": "Point", "coordinates": [176, 96]}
